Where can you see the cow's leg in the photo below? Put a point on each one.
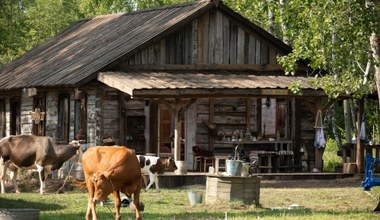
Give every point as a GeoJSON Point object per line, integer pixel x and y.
{"type": "Point", "coordinates": [91, 203]}
{"type": "Point", "coordinates": [151, 180]}
{"type": "Point", "coordinates": [13, 176]}
{"type": "Point", "coordinates": [4, 166]}
{"type": "Point", "coordinates": [117, 202]}
{"type": "Point", "coordinates": [41, 173]}
{"type": "Point", "coordinates": [136, 203]}
{"type": "Point", "coordinates": [156, 182]}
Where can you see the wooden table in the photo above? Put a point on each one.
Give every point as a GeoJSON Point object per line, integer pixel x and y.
{"type": "Point", "coordinates": [218, 158]}
{"type": "Point", "coordinates": [229, 188]}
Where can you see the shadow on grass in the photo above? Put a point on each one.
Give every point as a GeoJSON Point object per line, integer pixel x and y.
{"type": "Point", "coordinates": [21, 203]}
{"type": "Point", "coordinates": [260, 213]}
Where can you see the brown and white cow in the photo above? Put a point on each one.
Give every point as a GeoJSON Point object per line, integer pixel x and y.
{"type": "Point", "coordinates": [33, 152]}
{"type": "Point", "coordinates": [153, 166]}
{"type": "Point", "coordinates": [111, 169]}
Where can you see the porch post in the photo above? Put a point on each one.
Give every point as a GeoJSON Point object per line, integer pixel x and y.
{"type": "Point", "coordinates": [359, 146]}
{"type": "Point", "coordinates": [177, 130]}
{"type": "Point", "coordinates": [177, 136]}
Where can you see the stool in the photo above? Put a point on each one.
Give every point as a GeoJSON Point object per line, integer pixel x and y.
{"type": "Point", "coordinates": [208, 161]}
{"type": "Point", "coordinates": [217, 160]}
{"type": "Point", "coordinates": [197, 159]}
{"type": "Point", "coordinates": [265, 162]}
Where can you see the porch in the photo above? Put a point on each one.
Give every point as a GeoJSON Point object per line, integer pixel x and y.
{"type": "Point", "coordinates": [172, 180]}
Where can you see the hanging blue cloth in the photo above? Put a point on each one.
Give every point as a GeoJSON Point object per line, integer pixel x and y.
{"type": "Point", "coordinates": [363, 133]}
{"type": "Point", "coordinates": [319, 141]}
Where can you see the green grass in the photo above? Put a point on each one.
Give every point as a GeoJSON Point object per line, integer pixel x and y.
{"type": "Point", "coordinates": [335, 201]}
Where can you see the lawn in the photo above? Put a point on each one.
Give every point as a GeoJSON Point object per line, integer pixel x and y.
{"type": "Point", "coordinates": [318, 199]}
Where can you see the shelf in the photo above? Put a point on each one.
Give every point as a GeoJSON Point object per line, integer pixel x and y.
{"type": "Point", "coordinates": [234, 113]}
{"type": "Point", "coordinates": [231, 123]}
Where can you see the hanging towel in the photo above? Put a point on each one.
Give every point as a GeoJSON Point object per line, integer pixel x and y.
{"type": "Point", "coordinates": [363, 134]}
{"type": "Point", "coordinates": [319, 141]}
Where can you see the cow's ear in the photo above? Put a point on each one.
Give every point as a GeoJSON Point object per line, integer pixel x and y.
{"type": "Point", "coordinates": [108, 174]}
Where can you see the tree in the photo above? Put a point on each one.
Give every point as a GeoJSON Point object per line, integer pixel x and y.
{"type": "Point", "coordinates": [12, 31]}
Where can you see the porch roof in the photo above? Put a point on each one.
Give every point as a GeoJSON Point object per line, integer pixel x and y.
{"type": "Point", "coordinates": [156, 84]}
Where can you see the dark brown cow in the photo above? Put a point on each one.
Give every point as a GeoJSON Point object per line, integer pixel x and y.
{"type": "Point", "coordinates": [30, 151]}
{"type": "Point", "coordinates": [111, 169]}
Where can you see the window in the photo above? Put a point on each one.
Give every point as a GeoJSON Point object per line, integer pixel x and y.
{"type": "Point", "coordinates": [15, 112]}
{"type": "Point", "coordinates": [80, 118]}
{"type": "Point", "coordinates": [62, 135]}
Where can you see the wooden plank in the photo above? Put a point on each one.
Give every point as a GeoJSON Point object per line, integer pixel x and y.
{"type": "Point", "coordinates": [258, 52]}
{"type": "Point", "coordinates": [233, 43]}
{"type": "Point", "coordinates": [251, 50]}
{"type": "Point", "coordinates": [264, 53]}
{"type": "Point", "coordinates": [254, 67]}
{"type": "Point", "coordinates": [188, 45]}
{"type": "Point", "coordinates": [272, 56]}
{"type": "Point", "coordinates": [206, 38]}
{"type": "Point", "coordinates": [200, 40]}
{"type": "Point", "coordinates": [212, 38]}
{"type": "Point", "coordinates": [218, 38]}
{"type": "Point", "coordinates": [226, 40]}
{"type": "Point", "coordinates": [195, 41]}
{"type": "Point", "coordinates": [240, 46]}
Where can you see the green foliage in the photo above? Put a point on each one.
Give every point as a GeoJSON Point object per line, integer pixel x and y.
{"type": "Point", "coordinates": [142, 4]}
{"type": "Point", "coordinates": [330, 35]}
{"type": "Point", "coordinates": [27, 23]}
{"type": "Point", "coordinates": [92, 8]}
{"type": "Point", "coordinates": [330, 157]}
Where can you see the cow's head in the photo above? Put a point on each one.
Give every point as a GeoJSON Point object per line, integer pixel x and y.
{"type": "Point", "coordinates": [103, 185]}
{"type": "Point", "coordinates": [170, 164]}
{"type": "Point", "coordinates": [75, 144]}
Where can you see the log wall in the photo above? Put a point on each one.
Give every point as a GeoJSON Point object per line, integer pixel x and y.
{"type": "Point", "coordinates": [211, 39]}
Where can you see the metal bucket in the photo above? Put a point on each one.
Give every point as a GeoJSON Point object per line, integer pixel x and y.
{"type": "Point", "coordinates": [233, 167]}
{"type": "Point", "coordinates": [195, 197]}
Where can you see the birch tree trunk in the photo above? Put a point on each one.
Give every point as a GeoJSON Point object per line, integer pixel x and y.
{"type": "Point", "coordinates": [374, 41]}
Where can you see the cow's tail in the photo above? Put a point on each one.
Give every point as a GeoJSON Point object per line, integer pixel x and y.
{"type": "Point", "coordinates": [79, 184]}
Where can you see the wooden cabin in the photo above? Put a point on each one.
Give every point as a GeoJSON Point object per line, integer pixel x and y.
{"type": "Point", "coordinates": [162, 81]}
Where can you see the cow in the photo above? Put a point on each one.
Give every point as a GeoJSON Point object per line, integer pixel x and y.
{"type": "Point", "coordinates": [111, 169]}
{"type": "Point", "coordinates": [33, 152]}
{"type": "Point", "coordinates": [153, 166]}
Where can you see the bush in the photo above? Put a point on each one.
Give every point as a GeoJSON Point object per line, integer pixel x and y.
{"type": "Point", "coordinates": [331, 160]}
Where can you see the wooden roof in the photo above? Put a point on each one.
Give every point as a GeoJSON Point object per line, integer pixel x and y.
{"type": "Point", "coordinates": [150, 84]}
{"type": "Point", "coordinates": [90, 44]}
{"type": "Point", "coordinates": [76, 55]}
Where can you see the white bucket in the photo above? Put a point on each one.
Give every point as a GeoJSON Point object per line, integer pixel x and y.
{"type": "Point", "coordinates": [181, 167]}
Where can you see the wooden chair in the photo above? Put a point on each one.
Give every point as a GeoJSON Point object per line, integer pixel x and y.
{"type": "Point", "coordinates": [208, 161]}
{"type": "Point", "coordinates": [196, 160]}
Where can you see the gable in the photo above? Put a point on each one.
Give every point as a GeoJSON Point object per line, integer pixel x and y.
{"type": "Point", "coordinates": [213, 38]}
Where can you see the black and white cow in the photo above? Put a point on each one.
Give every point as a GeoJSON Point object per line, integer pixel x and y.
{"type": "Point", "coordinates": [153, 166]}
{"type": "Point", "coordinates": [33, 152]}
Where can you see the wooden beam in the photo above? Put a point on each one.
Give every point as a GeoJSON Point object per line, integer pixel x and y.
{"type": "Point", "coordinates": [200, 67]}
{"type": "Point", "coordinates": [226, 92]}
